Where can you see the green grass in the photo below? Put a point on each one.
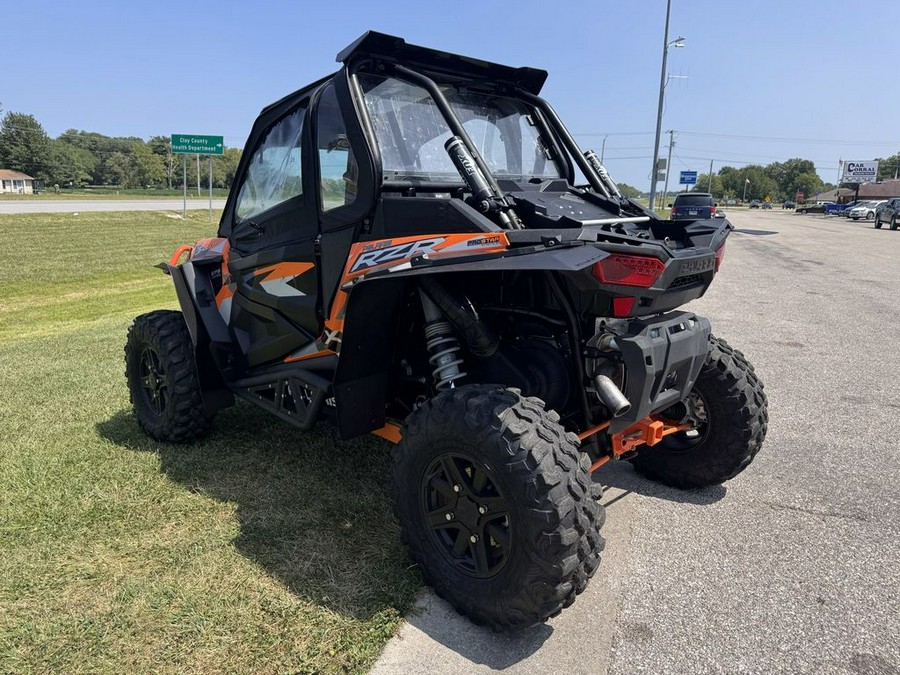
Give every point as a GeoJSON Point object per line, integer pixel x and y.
{"type": "Point", "coordinates": [262, 549]}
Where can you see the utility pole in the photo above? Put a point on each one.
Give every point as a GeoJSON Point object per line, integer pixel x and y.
{"type": "Point", "coordinates": [198, 175]}
{"type": "Point", "coordinates": [677, 42]}
{"type": "Point", "coordinates": [668, 166]}
{"type": "Point", "coordinates": [709, 189]}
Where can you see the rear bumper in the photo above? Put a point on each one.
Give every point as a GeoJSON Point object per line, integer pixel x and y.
{"type": "Point", "coordinates": [663, 357]}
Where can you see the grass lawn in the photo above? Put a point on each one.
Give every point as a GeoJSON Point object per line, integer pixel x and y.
{"type": "Point", "coordinates": [262, 549]}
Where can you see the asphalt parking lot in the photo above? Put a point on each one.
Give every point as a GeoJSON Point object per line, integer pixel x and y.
{"type": "Point", "coordinates": [794, 566]}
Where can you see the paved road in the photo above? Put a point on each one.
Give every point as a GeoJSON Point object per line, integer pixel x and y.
{"type": "Point", "coordinates": [72, 206]}
{"type": "Point", "coordinates": [792, 567]}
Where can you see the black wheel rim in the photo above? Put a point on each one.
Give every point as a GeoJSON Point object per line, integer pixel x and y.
{"type": "Point", "coordinates": [153, 381]}
{"type": "Point", "coordinates": [698, 415]}
{"type": "Point", "coordinates": [466, 514]}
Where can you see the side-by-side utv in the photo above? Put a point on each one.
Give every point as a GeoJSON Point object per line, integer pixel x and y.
{"type": "Point", "coordinates": [415, 247]}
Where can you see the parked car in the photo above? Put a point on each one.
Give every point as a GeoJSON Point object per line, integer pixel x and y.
{"type": "Point", "coordinates": [789, 204]}
{"type": "Point", "coordinates": [766, 205]}
{"type": "Point", "coordinates": [888, 212]}
{"type": "Point", "coordinates": [754, 204]}
{"type": "Point", "coordinates": [811, 208]}
{"type": "Point", "coordinates": [837, 209]}
{"type": "Point", "coordinates": [864, 210]}
{"type": "Point", "coordinates": [693, 206]}
{"type": "Point", "coordinates": [731, 202]}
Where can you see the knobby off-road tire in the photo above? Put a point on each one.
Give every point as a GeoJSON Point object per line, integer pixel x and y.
{"type": "Point", "coordinates": [162, 378]}
{"type": "Point", "coordinates": [488, 447]}
{"type": "Point", "coordinates": [737, 419]}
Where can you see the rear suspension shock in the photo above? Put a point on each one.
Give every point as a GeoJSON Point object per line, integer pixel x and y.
{"type": "Point", "coordinates": [442, 345]}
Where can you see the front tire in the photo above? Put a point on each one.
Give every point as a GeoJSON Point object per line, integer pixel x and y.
{"type": "Point", "coordinates": [877, 222]}
{"type": "Point", "coordinates": [497, 506]}
{"type": "Point", "coordinates": [162, 378]}
{"type": "Point", "coordinates": [893, 222]}
{"type": "Point", "coordinates": [734, 406]}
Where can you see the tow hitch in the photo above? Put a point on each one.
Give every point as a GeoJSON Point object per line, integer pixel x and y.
{"type": "Point", "coordinates": [648, 431]}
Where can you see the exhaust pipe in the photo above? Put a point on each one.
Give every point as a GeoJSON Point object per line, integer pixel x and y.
{"type": "Point", "coordinates": [611, 396]}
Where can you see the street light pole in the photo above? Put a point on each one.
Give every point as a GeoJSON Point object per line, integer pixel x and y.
{"type": "Point", "coordinates": [678, 42]}
{"type": "Point", "coordinates": [746, 183]}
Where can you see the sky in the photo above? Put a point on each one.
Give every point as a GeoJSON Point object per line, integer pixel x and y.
{"type": "Point", "coordinates": [757, 81]}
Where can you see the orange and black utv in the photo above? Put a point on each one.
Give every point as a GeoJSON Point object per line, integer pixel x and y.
{"type": "Point", "coordinates": [415, 247]}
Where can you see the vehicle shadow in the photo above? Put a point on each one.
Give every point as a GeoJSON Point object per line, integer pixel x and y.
{"type": "Point", "coordinates": [314, 511]}
{"type": "Point", "coordinates": [623, 477]}
{"type": "Point", "coordinates": [479, 645]}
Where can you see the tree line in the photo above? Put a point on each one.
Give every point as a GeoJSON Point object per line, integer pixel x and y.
{"type": "Point", "coordinates": [77, 158]}
{"type": "Point", "coordinates": [776, 181]}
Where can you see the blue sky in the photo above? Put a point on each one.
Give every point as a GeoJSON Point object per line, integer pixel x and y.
{"type": "Point", "coordinates": [766, 80]}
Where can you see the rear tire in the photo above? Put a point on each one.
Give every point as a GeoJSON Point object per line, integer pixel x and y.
{"type": "Point", "coordinates": [508, 455]}
{"type": "Point", "coordinates": [162, 378]}
{"type": "Point", "coordinates": [877, 222]}
{"type": "Point", "coordinates": [893, 222]}
{"type": "Point", "coordinates": [737, 419]}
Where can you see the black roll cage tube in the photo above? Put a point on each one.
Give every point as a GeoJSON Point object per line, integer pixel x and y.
{"type": "Point", "coordinates": [547, 118]}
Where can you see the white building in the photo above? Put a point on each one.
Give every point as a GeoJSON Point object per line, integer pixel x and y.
{"type": "Point", "coordinates": [15, 182]}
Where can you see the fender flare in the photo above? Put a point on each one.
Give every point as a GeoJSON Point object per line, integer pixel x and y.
{"type": "Point", "coordinates": [200, 325]}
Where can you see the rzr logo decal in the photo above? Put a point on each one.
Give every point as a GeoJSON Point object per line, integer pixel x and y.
{"type": "Point", "coordinates": [384, 252]}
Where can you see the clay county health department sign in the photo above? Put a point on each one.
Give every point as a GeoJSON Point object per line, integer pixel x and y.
{"type": "Point", "coordinates": [860, 172]}
{"type": "Point", "coordinates": [201, 145]}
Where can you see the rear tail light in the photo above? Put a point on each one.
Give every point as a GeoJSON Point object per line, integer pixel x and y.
{"type": "Point", "coordinates": [622, 306]}
{"type": "Point", "coordinates": [628, 270]}
{"type": "Point", "coordinates": [720, 256]}
{"type": "Point", "coordinates": [712, 211]}
{"type": "Point", "coordinates": [674, 210]}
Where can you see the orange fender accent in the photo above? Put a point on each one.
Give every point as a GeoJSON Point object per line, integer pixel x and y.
{"type": "Point", "coordinates": [390, 432]}
{"type": "Point", "coordinates": [180, 251]}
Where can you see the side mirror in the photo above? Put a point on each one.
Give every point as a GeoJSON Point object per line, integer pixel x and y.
{"type": "Point", "coordinates": [670, 206]}
{"type": "Point", "coordinates": [715, 203]}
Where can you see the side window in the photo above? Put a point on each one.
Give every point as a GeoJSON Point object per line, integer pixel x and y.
{"type": "Point", "coordinates": [338, 170]}
{"type": "Point", "coordinates": [273, 176]}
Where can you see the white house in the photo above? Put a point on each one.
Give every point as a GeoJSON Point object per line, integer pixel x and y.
{"type": "Point", "coordinates": [16, 182]}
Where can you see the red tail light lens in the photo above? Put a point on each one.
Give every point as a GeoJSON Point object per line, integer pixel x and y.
{"type": "Point", "coordinates": [628, 270]}
{"type": "Point", "coordinates": [720, 256]}
{"type": "Point", "coordinates": [712, 211]}
{"type": "Point", "coordinates": [622, 306]}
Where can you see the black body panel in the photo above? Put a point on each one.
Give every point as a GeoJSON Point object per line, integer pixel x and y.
{"type": "Point", "coordinates": [663, 357]}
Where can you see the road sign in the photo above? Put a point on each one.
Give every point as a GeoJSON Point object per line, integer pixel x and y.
{"type": "Point", "coordinates": [688, 178]}
{"type": "Point", "coordinates": [190, 144]}
{"type": "Point", "coordinates": [860, 172]}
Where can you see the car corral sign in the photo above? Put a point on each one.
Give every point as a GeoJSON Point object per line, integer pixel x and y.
{"type": "Point", "coordinates": [860, 172]}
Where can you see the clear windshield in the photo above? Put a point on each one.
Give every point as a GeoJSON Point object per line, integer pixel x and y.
{"type": "Point", "coordinates": [411, 132]}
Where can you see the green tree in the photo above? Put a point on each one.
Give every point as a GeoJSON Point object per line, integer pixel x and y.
{"type": "Point", "coordinates": [147, 168]}
{"type": "Point", "coordinates": [24, 145]}
{"type": "Point", "coordinates": [808, 183]}
{"type": "Point", "coordinates": [629, 191]}
{"type": "Point", "coordinates": [162, 146]}
{"type": "Point", "coordinates": [889, 168]}
{"type": "Point", "coordinates": [69, 165]}
{"type": "Point", "coordinates": [703, 185]}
